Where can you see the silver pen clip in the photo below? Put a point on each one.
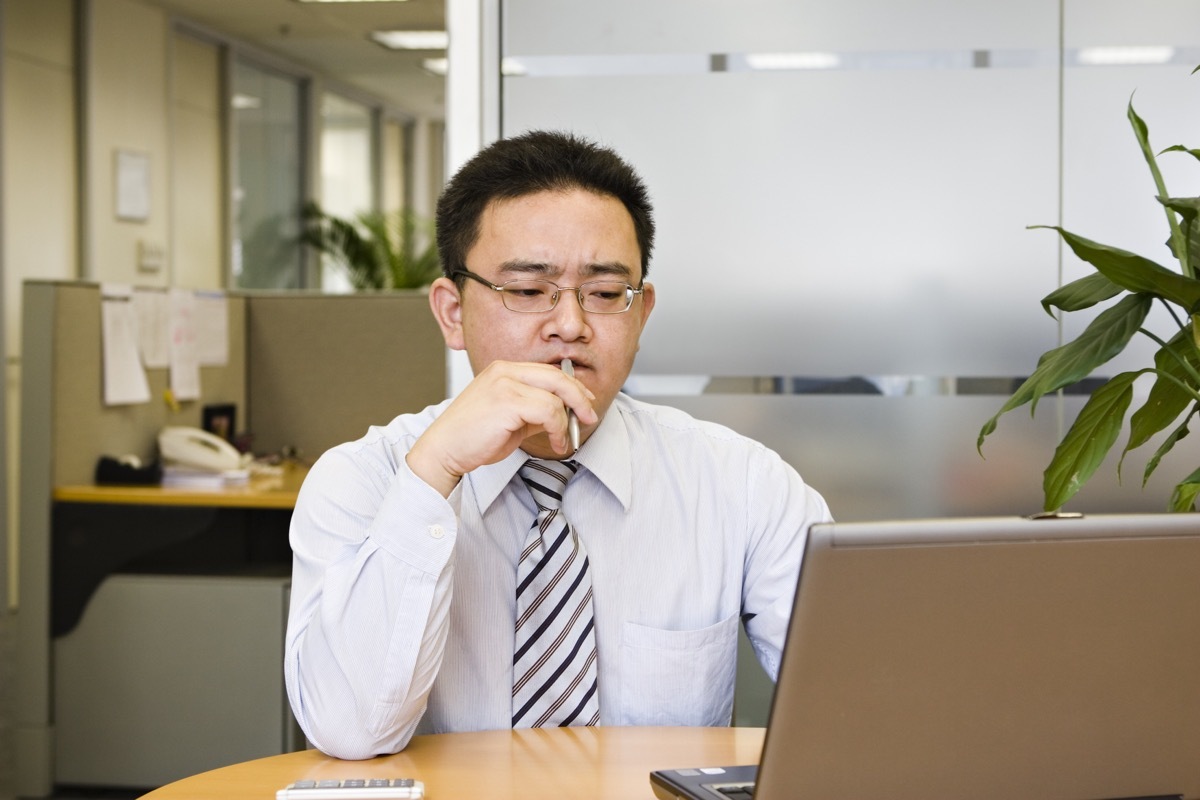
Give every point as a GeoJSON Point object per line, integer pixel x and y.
{"type": "Point", "coordinates": [572, 421]}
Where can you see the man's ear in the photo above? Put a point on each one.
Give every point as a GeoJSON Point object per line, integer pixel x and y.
{"type": "Point", "coordinates": [648, 298]}
{"type": "Point", "coordinates": [446, 304]}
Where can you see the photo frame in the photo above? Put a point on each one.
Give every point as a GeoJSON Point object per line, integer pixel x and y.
{"type": "Point", "coordinates": [220, 419]}
{"type": "Point", "coordinates": [132, 185]}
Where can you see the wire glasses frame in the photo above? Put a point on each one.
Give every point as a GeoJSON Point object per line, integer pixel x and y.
{"type": "Point", "coordinates": [536, 296]}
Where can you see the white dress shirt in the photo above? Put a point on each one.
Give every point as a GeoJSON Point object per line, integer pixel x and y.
{"type": "Point", "coordinates": [402, 606]}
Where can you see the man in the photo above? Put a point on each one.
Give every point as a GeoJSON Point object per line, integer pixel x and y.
{"type": "Point", "coordinates": [438, 584]}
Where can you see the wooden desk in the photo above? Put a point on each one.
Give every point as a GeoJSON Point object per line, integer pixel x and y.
{"type": "Point", "coordinates": [267, 491]}
{"type": "Point", "coordinates": [97, 530]}
{"type": "Point", "coordinates": [498, 765]}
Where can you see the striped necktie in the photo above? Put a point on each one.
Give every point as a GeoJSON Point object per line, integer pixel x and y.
{"type": "Point", "coordinates": [554, 660]}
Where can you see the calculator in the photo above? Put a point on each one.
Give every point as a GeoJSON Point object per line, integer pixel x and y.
{"type": "Point", "coordinates": [353, 789]}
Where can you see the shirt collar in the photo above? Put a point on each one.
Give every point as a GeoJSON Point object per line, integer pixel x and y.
{"type": "Point", "coordinates": [606, 454]}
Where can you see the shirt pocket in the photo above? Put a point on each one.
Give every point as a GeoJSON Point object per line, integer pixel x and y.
{"type": "Point", "coordinates": [678, 677]}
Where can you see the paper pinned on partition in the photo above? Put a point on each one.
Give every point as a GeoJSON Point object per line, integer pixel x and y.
{"type": "Point", "coordinates": [124, 378]}
{"type": "Point", "coordinates": [212, 329]}
{"type": "Point", "coordinates": [153, 314]}
{"type": "Point", "coordinates": [185, 365]}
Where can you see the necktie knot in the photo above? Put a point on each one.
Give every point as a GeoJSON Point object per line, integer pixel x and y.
{"type": "Point", "coordinates": [547, 480]}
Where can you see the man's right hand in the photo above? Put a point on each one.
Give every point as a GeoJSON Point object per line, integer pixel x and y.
{"type": "Point", "coordinates": [508, 405]}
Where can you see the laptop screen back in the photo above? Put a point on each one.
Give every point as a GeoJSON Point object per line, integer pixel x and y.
{"type": "Point", "coordinates": [992, 658]}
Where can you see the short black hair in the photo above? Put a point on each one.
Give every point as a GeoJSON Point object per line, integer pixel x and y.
{"type": "Point", "coordinates": [536, 161]}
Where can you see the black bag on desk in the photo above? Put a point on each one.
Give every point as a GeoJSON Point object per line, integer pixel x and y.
{"type": "Point", "coordinates": [115, 471]}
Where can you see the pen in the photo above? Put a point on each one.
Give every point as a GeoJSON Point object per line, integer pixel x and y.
{"type": "Point", "coordinates": [572, 420]}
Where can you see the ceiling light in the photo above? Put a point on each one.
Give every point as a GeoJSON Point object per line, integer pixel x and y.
{"type": "Point", "coordinates": [242, 102]}
{"type": "Point", "coordinates": [511, 67]}
{"type": "Point", "coordinates": [792, 60]}
{"type": "Point", "coordinates": [1126, 55]}
{"type": "Point", "coordinates": [412, 40]}
{"type": "Point", "coordinates": [438, 66]}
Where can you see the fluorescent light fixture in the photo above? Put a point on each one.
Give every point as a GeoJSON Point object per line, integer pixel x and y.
{"type": "Point", "coordinates": [509, 67]}
{"type": "Point", "coordinates": [1159, 54]}
{"type": "Point", "coordinates": [245, 101]}
{"type": "Point", "coordinates": [813, 60]}
{"type": "Point", "coordinates": [512, 67]}
{"type": "Point", "coordinates": [438, 66]}
{"type": "Point", "coordinates": [412, 40]}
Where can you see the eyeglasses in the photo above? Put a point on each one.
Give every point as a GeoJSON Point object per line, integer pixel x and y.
{"type": "Point", "coordinates": [538, 296]}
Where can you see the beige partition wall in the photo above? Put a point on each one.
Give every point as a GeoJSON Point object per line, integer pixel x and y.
{"type": "Point", "coordinates": [323, 368]}
{"type": "Point", "coordinates": [65, 428]}
{"type": "Point", "coordinates": [305, 372]}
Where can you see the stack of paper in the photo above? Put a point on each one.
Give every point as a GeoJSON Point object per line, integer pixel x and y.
{"type": "Point", "coordinates": [176, 477]}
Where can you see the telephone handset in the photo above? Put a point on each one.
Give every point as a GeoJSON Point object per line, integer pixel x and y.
{"type": "Point", "coordinates": [192, 447]}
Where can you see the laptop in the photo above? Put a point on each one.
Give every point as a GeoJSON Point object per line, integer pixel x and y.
{"type": "Point", "coordinates": [984, 658]}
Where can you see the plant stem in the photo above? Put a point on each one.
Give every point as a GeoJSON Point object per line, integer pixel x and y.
{"type": "Point", "coordinates": [1171, 310]}
{"type": "Point", "coordinates": [1183, 362]}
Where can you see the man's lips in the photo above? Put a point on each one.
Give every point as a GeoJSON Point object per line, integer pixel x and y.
{"type": "Point", "coordinates": [576, 363]}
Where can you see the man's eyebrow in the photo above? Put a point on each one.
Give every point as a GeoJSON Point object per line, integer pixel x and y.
{"type": "Point", "coordinates": [521, 267]}
{"type": "Point", "coordinates": [608, 269]}
{"type": "Point", "coordinates": [540, 269]}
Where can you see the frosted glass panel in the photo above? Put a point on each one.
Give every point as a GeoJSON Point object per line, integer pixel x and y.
{"type": "Point", "coordinates": [552, 27]}
{"type": "Point", "coordinates": [1108, 191]}
{"type": "Point", "coordinates": [851, 222]}
{"type": "Point", "coordinates": [862, 210]}
{"type": "Point", "coordinates": [910, 457]}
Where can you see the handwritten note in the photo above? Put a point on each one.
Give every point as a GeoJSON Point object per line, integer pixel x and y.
{"type": "Point", "coordinates": [153, 313]}
{"type": "Point", "coordinates": [124, 378]}
{"type": "Point", "coordinates": [212, 329]}
{"type": "Point", "coordinates": [185, 366]}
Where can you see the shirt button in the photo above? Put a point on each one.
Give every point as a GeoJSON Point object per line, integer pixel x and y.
{"type": "Point", "coordinates": [437, 531]}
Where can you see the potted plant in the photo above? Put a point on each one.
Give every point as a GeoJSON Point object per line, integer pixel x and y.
{"type": "Point", "coordinates": [377, 251]}
{"type": "Point", "coordinates": [1135, 284]}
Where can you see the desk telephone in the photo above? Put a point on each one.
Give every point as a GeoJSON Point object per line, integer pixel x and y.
{"type": "Point", "coordinates": [192, 447]}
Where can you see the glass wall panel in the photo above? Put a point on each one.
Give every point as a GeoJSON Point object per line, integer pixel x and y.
{"type": "Point", "coordinates": [840, 222]}
{"type": "Point", "coordinates": [268, 179]}
{"type": "Point", "coordinates": [347, 169]}
{"type": "Point", "coordinates": [844, 185]}
{"type": "Point", "coordinates": [552, 27]}
{"type": "Point", "coordinates": [393, 166]}
{"type": "Point", "coordinates": [1115, 56]}
{"type": "Point", "coordinates": [876, 457]}
{"type": "Point", "coordinates": [843, 188]}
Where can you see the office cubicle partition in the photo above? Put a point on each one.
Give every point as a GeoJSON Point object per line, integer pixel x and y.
{"type": "Point", "coordinates": [304, 371]}
{"type": "Point", "coordinates": [322, 368]}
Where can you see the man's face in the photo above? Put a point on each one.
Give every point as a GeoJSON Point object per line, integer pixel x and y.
{"type": "Point", "coordinates": [568, 237]}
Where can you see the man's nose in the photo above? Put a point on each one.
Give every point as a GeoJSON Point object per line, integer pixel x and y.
{"type": "Point", "coordinates": [568, 314]}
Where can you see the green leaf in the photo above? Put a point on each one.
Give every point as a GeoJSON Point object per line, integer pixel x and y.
{"type": "Point", "coordinates": [1167, 399]}
{"type": "Point", "coordinates": [1178, 148]}
{"type": "Point", "coordinates": [1106, 336]}
{"type": "Point", "coordinates": [1184, 497]}
{"type": "Point", "coordinates": [377, 251]}
{"type": "Point", "coordinates": [1082, 293]}
{"type": "Point", "coordinates": [1133, 272]}
{"type": "Point", "coordinates": [1143, 136]}
{"type": "Point", "coordinates": [1087, 442]}
{"type": "Point", "coordinates": [1176, 436]}
{"type": "Point", "coordinates": [1188, 209]}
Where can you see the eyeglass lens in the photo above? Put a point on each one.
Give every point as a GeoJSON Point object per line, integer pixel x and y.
{"type": "Point", "coordinates": [597, 297]}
